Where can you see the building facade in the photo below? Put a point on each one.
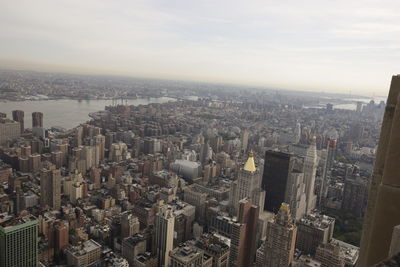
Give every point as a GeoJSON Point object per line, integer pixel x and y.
{"type": "Point", "coordinates": [19, 242]}
{"type": "Point", "coordinates": [281, 239]}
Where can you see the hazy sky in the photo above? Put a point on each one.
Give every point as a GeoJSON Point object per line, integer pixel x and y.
{"type": "Point", "coordinates": [324, 45]}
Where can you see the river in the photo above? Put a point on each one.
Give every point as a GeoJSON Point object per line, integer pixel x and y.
{"type": "Point", "coordinates": [67, 113]}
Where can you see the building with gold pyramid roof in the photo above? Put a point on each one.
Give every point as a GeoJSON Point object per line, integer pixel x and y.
{"type": "Point", "coordinates": [247, 186]}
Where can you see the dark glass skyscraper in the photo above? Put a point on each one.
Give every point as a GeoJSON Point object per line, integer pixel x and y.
{"type": "Point", "coordinates": [277, 167]}
{"type": "Point", "coordinates": [18, 116]}
{"type": "Point", "coordinates": [37, 119]}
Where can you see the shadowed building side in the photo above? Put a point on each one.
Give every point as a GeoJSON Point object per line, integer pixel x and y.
{"type": "Point", "coordinates": [384, 196]}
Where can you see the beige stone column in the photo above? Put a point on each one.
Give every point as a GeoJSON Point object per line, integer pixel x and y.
{"type": "Point", "coordinates": [380, 207]}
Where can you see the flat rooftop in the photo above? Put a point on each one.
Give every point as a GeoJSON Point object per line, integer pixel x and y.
{"type": "Point", "coordinates": [11, 221]}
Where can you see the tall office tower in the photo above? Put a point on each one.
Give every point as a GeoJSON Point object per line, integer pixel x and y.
{"type": "Point", "coordinates": [35, 162]}
{"type": "Point", "coordinates": [110, 138]}
{"type": "Point", "coordinates": [61, 235]}
{"type": "Point", "coordinates": [356, 132]}
{"type": "Point", "coordinates": [295, 194]}
{"type": "Point", "coordinates": [205, 153]}
{"type": "Point", "coordinates": [136, 146]}
{"type": "Point", "coordinates": [277, 167]}
{"type": "Point", "coordinates": [243, 236]}
{"type": "Point", "coordinates": [384, 195]}
{"type": "Point", "coordinates": [100, 142]}
{"type": "Point", "coordinates": [57, 158]}
{"type": "Point", "coordinates": [19, 242]}
{"type": "Point", "coordinates": [133, 246]}
{"type": "Point", "coordinates": [297, 133]}
{"type": "Point", "coordinates": [89, 156]}
{"type": "Point", "coordinates": [247, 186]}
{"type": "Point", "coordinates": [8, 130]}
{"type": "Point", "coordinates": [355, 196]}
{"type": "Point", "coordinates": [50, 188]}
{"type": "Point", "coordinates": [312, 230]}
{"type": "Point", "coordinates": [78, 136]}
{"type": "Point", "coordinates": [63, 147]}
{"type": "Point", "coordinates": [76, 192]}
{"type": "Point", "coordinates": [195, 197]}
{"type": "Point", "coordinates": [327, 170]}
{"type": "Point", "coordinates": [18, 116]}
{"type": "Point", "coordinates": [26, 150]}
{"type": "Point", "coordinates": [164, 235]}
{"type": "Point", "coordinates": [310, 169]}
{"type": "Point", "coordinates": [23, 164]}
{"type": "Point", "coordinates": [129, 224]}
{"type": "Point", "coordinates": [244, 140]}
{"type": "Point", "coordinates": [216, 143]}
{"type": "Point", "coordinates": [95, 177]}
{"type": "Point", "coordinates": [281, 239]}
{"type": "Point", "coordinates": [37, 119]}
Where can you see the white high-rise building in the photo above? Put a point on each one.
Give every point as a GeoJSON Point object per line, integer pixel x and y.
{"type": "Point", "coordinates": [310, 169]}
{"type": "Point", "coordinates": [281, 239]}
{"type": "Point", "coordinates": [164, 226]}
{"type": "Point", "coordinates": [295, 194]}
{"type": "Point", "coordinates": [248, 185]}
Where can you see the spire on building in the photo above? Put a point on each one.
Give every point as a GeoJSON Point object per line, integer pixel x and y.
{"type": "Point", "coordinates": [284, 216]}
{"type": "Point", "coordinates": [250, 166]}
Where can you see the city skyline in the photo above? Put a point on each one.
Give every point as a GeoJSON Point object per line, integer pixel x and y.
{"type": "Point", "coordinates": [155, 133]}
{"type": "Point", "coordinates": [352, 47]}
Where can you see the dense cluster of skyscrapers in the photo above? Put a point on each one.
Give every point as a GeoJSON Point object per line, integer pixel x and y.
{"type": "Point", "coordinates": [199, 183]}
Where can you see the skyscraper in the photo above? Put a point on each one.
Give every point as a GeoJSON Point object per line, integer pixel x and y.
{"type": "Point", "coordinates": [310, 169]}
{"type": "Point", "coordinates": [243, 237]}
{"type": "Point", "coordinates": [61, 235]}
{"type": "Point", "coordinates": [355, 196]}
{"type": "Point", "coordinates": [277, 167]}
{"type": "Point", "coordinates": [129, 225]}
{"type": "Point", "coordinates": [331, 151]}
{"type": "Point", "coordinates": [37, 119]}
{"type": "Point", "coordinates": [248, 186]}
{"type": "Point", "coordinates": [19, 242]}
{"type": "Point", "coordinates": [78, 136]}
{"type": "Point", "coordinates": [50, 188]}
{"type": "Point", "coordinates": [281, 239]}
{"type": "Point", "coordinates": [384, 195]}
{"type": "Point", "coordinates": [244, 140]}
{"type": "Point", "coordinates": [8, 130]}
{"type": "Point", "coordinates": [297, 133]}
{"type": "Point", "coordinates": [295, 194]}
{"type": "Point", "coordinates": [100, 142]}
{"type": "Point", "coordinates": [95, 177]}
{"type": "Point", "coordinates": [312, 230]}
{"type": "Point", "coordinates": [164, 234]}
{"type": "Point", "coordinates": [18, 116]}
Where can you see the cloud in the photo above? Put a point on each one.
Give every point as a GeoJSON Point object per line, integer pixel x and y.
{"type": "Point", "coordinates": [319, 45]}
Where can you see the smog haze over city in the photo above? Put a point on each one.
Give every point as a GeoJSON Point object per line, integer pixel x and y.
{"type": "Point", "coordinates": [199, 133]}
{"type": "Point", "coordinates": [331, 46]}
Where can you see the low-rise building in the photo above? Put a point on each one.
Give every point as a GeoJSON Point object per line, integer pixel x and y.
{"type": "Point", "coordinates": [86, 254]}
